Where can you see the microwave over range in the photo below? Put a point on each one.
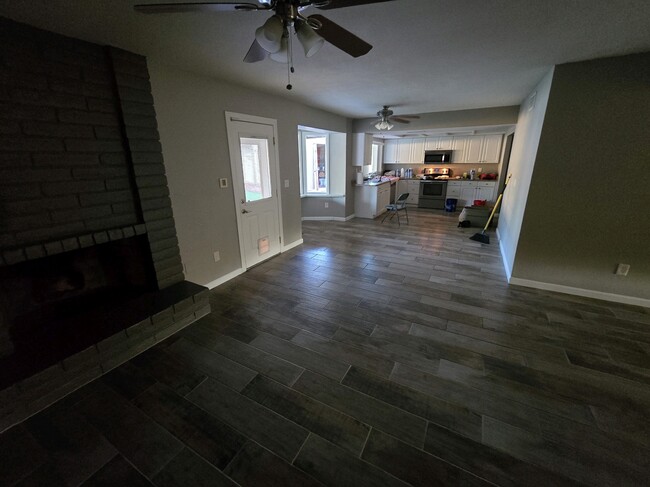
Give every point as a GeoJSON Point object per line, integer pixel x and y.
{"type": "Point", "coordinates": [437, 156]}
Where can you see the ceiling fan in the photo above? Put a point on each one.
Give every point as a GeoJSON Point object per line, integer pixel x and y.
{"type": "Point", "coordinates": [386, 119]}
{"type": "Point", "coordinates": [273, 39]}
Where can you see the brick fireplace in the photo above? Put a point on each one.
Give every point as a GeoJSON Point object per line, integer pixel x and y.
{"type": "Point", "coordinates": [90, 270]}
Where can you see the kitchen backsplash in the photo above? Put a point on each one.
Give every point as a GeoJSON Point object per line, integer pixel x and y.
{"type": "Point", "coordinates": [455, 169]}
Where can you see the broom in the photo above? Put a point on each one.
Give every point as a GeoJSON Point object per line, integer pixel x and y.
{"type": "Point", "coordinates": [482, 236]}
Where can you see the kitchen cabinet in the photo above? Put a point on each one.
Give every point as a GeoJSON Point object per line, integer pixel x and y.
{"type": "Point", "coordinates": [438, 143]}
{"type": "Point", "coordinates": [361, 149]}
{"type": "Point", "coordinates": [477, 149]}
{"type": "Point", "coordinates": [404, 151]}
{"type": "Point", "coordinates": [370, 201]}
{"type": "Point", "coordinates": [468, 191]}
{"type": "Point", "coordinates": [417, 150]}
{"type": "Point", "coordinates": [390, 151]}
{"type": "Point", "coordinates": [410, 186]}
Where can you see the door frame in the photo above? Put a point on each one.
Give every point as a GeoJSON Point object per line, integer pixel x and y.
{"type": "Point", "coordinates": [235, 166]}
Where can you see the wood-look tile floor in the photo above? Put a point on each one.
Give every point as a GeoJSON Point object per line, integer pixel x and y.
{"type": "Point", "coordinates": [371, 355]}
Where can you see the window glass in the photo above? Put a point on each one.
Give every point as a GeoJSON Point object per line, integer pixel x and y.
{"type": "Point", "coordinates": [255, 166]}
{"type": "Point", "coordinates": [315, 164]}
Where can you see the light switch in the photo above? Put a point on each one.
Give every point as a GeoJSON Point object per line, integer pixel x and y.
{"type": "Point", "coordinates": [286, 183]}
{"type": "Point", "coordinates": [223, 182]}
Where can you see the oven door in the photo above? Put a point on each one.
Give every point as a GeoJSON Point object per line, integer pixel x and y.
{"type": "Point", "coordinates": [433, 189]}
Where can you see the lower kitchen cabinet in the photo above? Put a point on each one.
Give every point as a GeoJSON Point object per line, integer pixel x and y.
{"type": "Point", "coordinates": [412, 187]}
{"type": "Point", "coordinates": [468, 191]}
{"type": "Point", "coordinates": [371, 201]}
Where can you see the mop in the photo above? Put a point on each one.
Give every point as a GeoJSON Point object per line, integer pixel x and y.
{"type": "Point", "coordinates": [482, 236]}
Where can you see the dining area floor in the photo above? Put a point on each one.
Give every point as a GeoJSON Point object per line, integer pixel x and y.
{"type": "Point", "coordinates": [374, 354]}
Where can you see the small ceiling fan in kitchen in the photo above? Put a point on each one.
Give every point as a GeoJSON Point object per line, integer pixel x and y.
{"type": "Point", "coordinates": [274, 38]}
{"type": "Point", "coordinates": [387, 119]}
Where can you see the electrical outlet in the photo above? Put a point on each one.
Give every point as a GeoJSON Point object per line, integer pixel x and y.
{"type": "Point", "coordinates": [217, 256]}
{"type": "Point", "coordinates": [622, 269]}
{"type": "Point", "coordinates": [223, 182]}
{"type": "Point", "coordinates": [327, 205]}
{"type": "Point", "coordinates": [286, 183]}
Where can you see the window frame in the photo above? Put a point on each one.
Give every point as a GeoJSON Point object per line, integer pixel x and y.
{"type": "Point", "coordinates": [304, 135]}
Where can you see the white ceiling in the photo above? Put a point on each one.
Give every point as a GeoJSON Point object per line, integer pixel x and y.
{"type": "Point", "coordinates": [428, 55]}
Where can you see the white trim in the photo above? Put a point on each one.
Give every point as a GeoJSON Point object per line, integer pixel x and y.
{"type": "Point", "coordinates": [235, 166]}
{"type": "Point", "coordinates": [326, 218]}
{"type": "Point", "coordinates": [588, 293]}
{"type": "Point", "coordinates": [350, 217]}
{"type": "Point", "coordinates": [226, 278]}
{"type": "Point", "coordinates": [292, 245]}
{"type": "Point", "coordinates": [503, 258]}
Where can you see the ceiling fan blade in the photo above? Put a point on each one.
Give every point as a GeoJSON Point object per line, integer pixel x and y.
{"type": "Point", "coordinates": [399, 120]}
{"type": "Point", "coordinates": [409, 116]}
{"type": "Point", "coordinates": [255, 53]}
{"type": "Point", "coordinates": [347, 3]}
{"type": "Point", "coordinates": [339, 37]}
{"type": "Point", "coordinates": [164, 8]}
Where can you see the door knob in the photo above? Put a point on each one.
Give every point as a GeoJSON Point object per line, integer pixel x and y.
{"type": "Point", "coordinates": [245, 211]}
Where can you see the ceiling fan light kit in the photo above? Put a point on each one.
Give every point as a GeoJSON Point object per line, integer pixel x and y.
{"type": "Point", "coordinates": [273, 39]}
{"type": "Point", "coordinates": [386, 119]}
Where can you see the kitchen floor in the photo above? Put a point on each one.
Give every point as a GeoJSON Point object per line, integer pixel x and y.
{"type": "Point", "coordinates": [372, 355]}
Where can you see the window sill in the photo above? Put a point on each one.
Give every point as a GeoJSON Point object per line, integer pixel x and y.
{"type": "Point", "coordinates": [322, 195]}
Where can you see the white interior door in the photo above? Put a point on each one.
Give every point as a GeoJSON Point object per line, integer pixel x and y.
{"type": "Point", "coordinates": [255, 176]}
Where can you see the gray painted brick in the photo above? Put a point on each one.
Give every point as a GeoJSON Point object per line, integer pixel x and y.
{"type": "Point", "coordinates": [128, 93]}
{"type": "Point", "coordinates": [113, 221]}
{"type": "Point", "coordinates": [108, 132]}
{"type": "Point", "coordinates": [109, 362]}
{"type": "Point", "coordinates": [183, 305]}
{"type": "Point", "coordinates": [160, 224]}
{"type": "Point", "coordinates": [106, 197]}
{"type": "Point", "coordinates": [133, 69]}
{"type": "Point", "coordinates": [81, 213]}
{"type": "Point", "coordinates": [204, 311]}
{"type": "Point", "coordinates": [112, 342]}
{"type": "Point", "coordinates": [65, 159]}
{"type": "Point", "coordinates": [35, 252]}
{"type": "Point", "coordinates": [118, 183]}
{"type": "Point", "coordinates": [124, 208]}
{"type": "Point", "coordinates": [48, 129]}
{"type": "Point", "coordinates": [163, 244]}
{"type": "Point", "coordinates": [45, 99]}
{"type": "Point", "coordinates": [53, 248]}
{"type": "Point", "coordinates": [131, 120]}
{"type": "Point", "coordinates": [70, 244]}
{"type": "Point", "coordinates": [99, 172]}
{"type": "Point", "coordinates": [122, 56]}
{"type": "Point", "coordinates": [22, 112]}
{"type": "Point", "coordinates": [42, 204]}
{"type": "Point", "coordinates": [165, 272]}
{"type": "Point", "coordinates": [162, 316]}
{"type": "Point", "coordinates": [9, 128]}
{"type": "Point", "coordinates": [89, 118]}
{"type": "Point", "coordinates": [142, 169]}
{"type": "Point", "coordinates": [128, 232]}
{"type": "Point", "coordinates": [145, 327]}
{"type": "Point", "coordinates": [145, 145]}
{"type": "Point", "coordinates": [88, 145]}
{"type": "Point", "coordinates": [49, 233]}
{"type": "Point", "coordinates": [100, 237]}
{"type": "Point", "coordinates": [202, 297]}
{"type": "Point", "coordinates": [30, 144]}
{"type": "Point", "coordinates": [140, 229]}
{"type": "Point", "coordinates": [162, 234]}
{"type": "Point", "coordinates": [8, 176]}
{"type": "Point", "coordinates": [19, 223]}
{"type": "Point", "coordinates": [86, 241]}
{"type": "Point", "coordinates": [156, 203]}
{"type": "Point", "coordinates": [14, 256]}
{"type": "Point", "coordinates": [151, 181]}
{"type": "Point", "coordinates": [102, 106]}
{"type": "Point", "coordinates": [142, 133]}
{"type": "Point", "coordinates": [157, 214]}
{"type": "Point", "coordinates": [165, 254]}
{"type": "Point", "coordinates": [86, 358]}
{"type": "Point", "coordinates": [164, 333]}
{"type": "Point", "coordinates": [133, 82]}
{"type": "Point", "coordinates": [154, 192]}
{"type": "Point", "coordinates": [115, 158]}
{"type": "Point", "coordinates": [171, 280]}
{"type": "Point", "coordinates": [115, 234]}
{"type": "Point", "coordinates": [21, 191]}
{"type": "Point", "coordinates": [135, 108]}
{"type": "Point", "coordinates": [14, 159]}
{"type": "Point", "coordinates": [67, 187]}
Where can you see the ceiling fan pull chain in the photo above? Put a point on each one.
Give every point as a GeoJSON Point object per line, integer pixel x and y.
{"type": "Point", "coordinates": [289, 61]}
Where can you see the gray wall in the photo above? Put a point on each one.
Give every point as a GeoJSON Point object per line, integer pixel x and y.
{"type": "Point", "coordinates": [190, 111]}
{"type": "Point", "coordinates": [587, 205]}
{"type": "Point", "coordinates": [443, 120]}
{"type": "Point", "coordinates": [522, 162]}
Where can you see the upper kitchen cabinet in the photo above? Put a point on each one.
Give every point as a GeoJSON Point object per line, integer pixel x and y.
{"type": "Point", "coordinates": [438, 143]}
{"type": "Point", "coordinates": [404, 151]}
{"type": "Point", "coordinates": [477, 149]}
{"type": "Point", "coordinates": [361, 149]}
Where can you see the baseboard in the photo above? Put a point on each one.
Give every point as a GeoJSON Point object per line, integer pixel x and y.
{"type": "Point", "coordinates": [292, 245]}
{"type": "Point", "coordinates": [503, 257]}
{"type": "Point", "coordinates": [226, 278]}
{"type": "Point", "coordinates": [587, 293]}
{"type": "Point", "coordinates": [325, 218]}
{"type": "Point", "coordinates": [350, 217]}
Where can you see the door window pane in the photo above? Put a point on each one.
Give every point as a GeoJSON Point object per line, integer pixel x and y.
{"type": "Point", "coordinates": [255, 167]}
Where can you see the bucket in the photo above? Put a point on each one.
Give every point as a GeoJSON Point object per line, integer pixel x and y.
{"type": "Point", "coordinates": [450, 204]}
